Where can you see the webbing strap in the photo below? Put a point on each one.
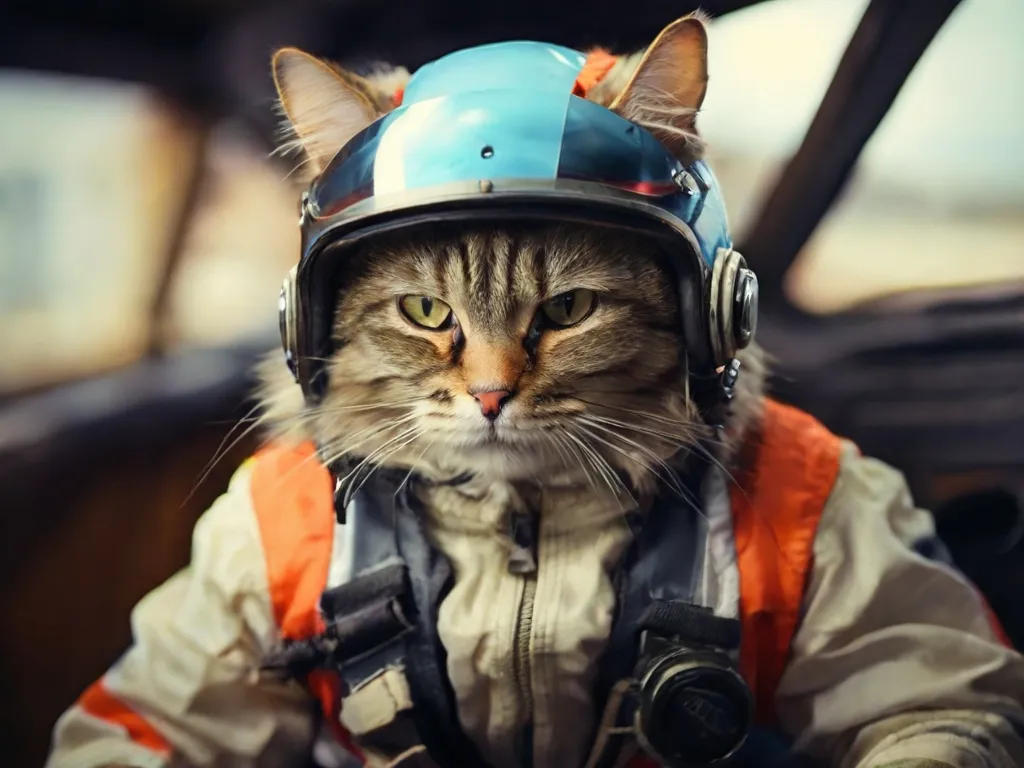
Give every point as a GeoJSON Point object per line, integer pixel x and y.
{"type": "Point", "coordinates": [658, 583]}
{"type": "Point", "coordinates": [382, 616]}
{"type": "Point", "coordinates": [398, 702]}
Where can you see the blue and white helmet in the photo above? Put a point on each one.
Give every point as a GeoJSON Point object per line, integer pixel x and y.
{"type": "Point", "coordinates": [495, 134]}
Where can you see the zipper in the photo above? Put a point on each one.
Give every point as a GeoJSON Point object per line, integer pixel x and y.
{"type": "Point", "coordinates": [523, 562]}
{"type": "Point", "coordinates": [523, 668]}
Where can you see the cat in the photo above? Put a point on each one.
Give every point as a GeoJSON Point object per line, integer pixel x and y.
{"type": "Point", "coordinates": [602, 399]}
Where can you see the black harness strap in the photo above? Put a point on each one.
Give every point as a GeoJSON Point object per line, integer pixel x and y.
{"type": "Point", "coordinates": [381, 634]}
{"type": "Point", "coordinates": [657, 586]}
{"type": "Point", "coordinates": [382, 617]}
{"type": "Point", "coordinates": [673, 534]}
{"type": "Point", "coordinates": [695, 624]}
{"type": "Point", "coordinates": [435, 712]}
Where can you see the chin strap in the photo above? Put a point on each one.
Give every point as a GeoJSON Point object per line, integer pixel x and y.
{"type": "Point", "coordinates": [713, 394]}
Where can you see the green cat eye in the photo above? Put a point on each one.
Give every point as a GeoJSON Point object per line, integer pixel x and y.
{"type": "Point", "coordinates": [425, 311]}
{"type": "Point", "coordinates": [570, 307]}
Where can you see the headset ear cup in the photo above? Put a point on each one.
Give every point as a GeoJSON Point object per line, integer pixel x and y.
{"type": "Point", "coordinates": [720, 312]}
{"type": "Point", "coordinates": [288, 310]}
{"type": "Point", "coordinates": [745, 305]}
{"type": "Point", "coordinates": [732, 306]}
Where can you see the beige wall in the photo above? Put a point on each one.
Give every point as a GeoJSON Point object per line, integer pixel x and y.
{"type": "Point", "coordinates": [91, 174]}
{"type": "Point", "coordinates": [243, 242]}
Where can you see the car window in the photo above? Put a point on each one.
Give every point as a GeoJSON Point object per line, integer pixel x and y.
{"type": "Point", "coordinates": [937, 197]}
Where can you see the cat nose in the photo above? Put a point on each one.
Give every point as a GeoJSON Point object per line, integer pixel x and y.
{"type": "Point", "coordinates": [491, 401]}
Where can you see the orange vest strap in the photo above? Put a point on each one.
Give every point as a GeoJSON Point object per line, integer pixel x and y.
{"type": "Point", "coordinates": [291, 495]}
{"type": "Point", "coordinates": [101, 703]}
{"type": "Point", "coordinates": [776, 509]}
{"type": "Point", "coordinates": [994, 622]}
{"type": "Point", "coordinates": [293, 499]}
{"type": "Point", "coordinates": [598, 64]}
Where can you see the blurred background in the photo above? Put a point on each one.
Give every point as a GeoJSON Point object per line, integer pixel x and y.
{"type": "Point", "coordinates": [872, 157]}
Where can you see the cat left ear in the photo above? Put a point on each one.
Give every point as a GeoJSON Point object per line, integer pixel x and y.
{"type": "Point", "coordinates": [668, 86]}
{"type": "Point", "coordinates": [324, 106]}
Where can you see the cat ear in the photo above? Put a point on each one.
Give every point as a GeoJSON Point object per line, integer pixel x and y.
{"type": "Point", "coordinates": [324, 106]}
{"type": "Point", "coordinates": [668, 86]}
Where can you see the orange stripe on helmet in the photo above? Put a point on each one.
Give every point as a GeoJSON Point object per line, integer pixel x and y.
{"type": "Point", "coordinates": [103, 705]}
{"type": "Point", "coordinates": [598, 64]}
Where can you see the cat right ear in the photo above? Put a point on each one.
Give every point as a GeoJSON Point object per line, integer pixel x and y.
{"type": "Point", "coordinates": [667, 89]}
{"type": "Point", "coordinates": [324, 106]}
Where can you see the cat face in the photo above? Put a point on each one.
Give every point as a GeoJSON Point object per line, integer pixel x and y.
{"type": "Point", "coordinates": [509, 354]}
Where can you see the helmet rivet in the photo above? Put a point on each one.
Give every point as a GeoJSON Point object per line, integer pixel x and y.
{"type": "Point", "coordinates": [487, 152]}
{"type": "Point", "coordinates": [685, 182]}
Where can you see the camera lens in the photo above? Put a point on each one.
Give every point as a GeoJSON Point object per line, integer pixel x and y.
{"type": "Point", "coordinates": [694, 712]}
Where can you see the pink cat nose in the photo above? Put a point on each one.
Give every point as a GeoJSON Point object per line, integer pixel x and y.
{"type": "Point", "coordinates": [491, 402]}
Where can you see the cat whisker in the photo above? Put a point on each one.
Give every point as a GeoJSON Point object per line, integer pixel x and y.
{"type": "Point", "coordinates": [688, 425]}
{"type": "Point", "coordinates": [601, 464]}
{"type": "Point", "coordinates": [333, 452]}
{"type": "Point", "coordinates": [698, 435]}
{"type": "Point", "coordinates": [551, 438]}
{"type": "Point", "coordinates": [675, 439]}
{"type": "Point", "coordinates": [376, 451]}
{"type": "Point", "coordinates": [596, 461]}
{"type": "Point", "coordinates": [412, 469]}
{"type": "Point", "coordinates": [574, 458]}
{"type": "Point", "coordinates": [684, 494]}
{"type": "Point", "coordinates": [585, 459]}
{"type": "Point", "coordinates": [417, 432]}
{"type": "Point", "coordinates": [353, 441]}
{"type": "Point", "coordinates": [221, 451]}
{"type": "Point", "coordinates": [366, 406]}
{"type": "Point", "coordinates": [705, 452]}
{"type": "Point", "coordinates": [688, 446]}
{"type": "Point", "coordinates": [672, 480]}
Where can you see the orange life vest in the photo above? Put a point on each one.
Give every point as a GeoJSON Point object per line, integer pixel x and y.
{"type": "Point", "coordinates": [776, 509]}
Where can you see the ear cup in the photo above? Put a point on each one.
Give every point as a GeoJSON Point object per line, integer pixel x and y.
{"type": "Point", "coordinates": [744, 312]}
{"type": "Point", "coordinates": [287, 312]}
{"type": "Point", "coordinates": [732, 306]}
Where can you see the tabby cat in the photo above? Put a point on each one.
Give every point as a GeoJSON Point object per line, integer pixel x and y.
{"type": "Point", "coordinates": [575, 329]}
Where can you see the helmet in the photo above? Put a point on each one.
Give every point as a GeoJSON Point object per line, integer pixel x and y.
{"type": "Point", "coordinates": [495, 134]}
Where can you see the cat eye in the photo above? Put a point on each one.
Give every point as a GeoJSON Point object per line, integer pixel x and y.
{"type": "Point", "coordinates": [426, 311]}
{"type": "Point", "coordinates": [570, 307]}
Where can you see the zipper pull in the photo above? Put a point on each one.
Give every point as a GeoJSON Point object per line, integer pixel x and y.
{"type": "Point", "coordinates": [523, 532]}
